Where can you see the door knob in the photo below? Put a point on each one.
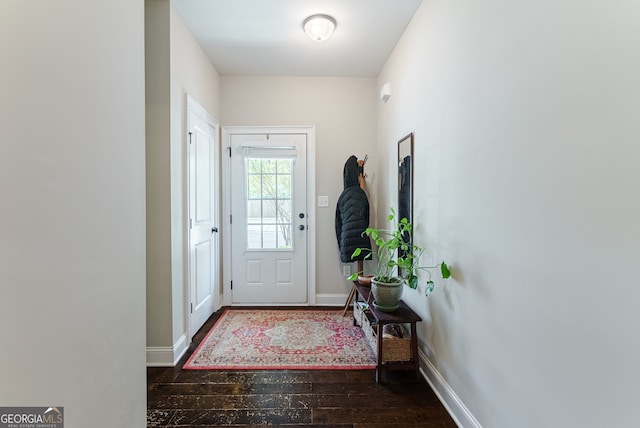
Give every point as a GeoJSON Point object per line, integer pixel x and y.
{"type": "Point", "coordinates": [301, 227]}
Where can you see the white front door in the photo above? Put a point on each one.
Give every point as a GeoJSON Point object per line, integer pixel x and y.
{"type": "Point", "coordinates": [203, 228]}
{"type": "Point", "coordinates": [269, 218]}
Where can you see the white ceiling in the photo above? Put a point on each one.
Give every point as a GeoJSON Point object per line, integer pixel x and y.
{"type": "Point", "coordinates": [265, 37]}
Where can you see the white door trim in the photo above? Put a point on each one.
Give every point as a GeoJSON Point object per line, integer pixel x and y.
{"type": "Point", "coordinates": [193, 105]}
{"type": "Point", "coordinates": [226, 202]}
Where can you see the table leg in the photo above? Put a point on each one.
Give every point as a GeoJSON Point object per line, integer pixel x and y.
{"type": "Point", "coordinates": [414, 349]}
{"type": "Point", "coordinates": [349, 299]}
{"type": "Point", "coordinates": [379, 363]}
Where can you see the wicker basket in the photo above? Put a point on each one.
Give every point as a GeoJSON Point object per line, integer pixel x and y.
{"type": "Point", "coordinates": [396, 349]}
{"type": "Point", "coordinates": [393, 349]}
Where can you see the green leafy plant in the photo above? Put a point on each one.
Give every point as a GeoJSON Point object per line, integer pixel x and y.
{"type": "Point", "coordinates": [389, 265]}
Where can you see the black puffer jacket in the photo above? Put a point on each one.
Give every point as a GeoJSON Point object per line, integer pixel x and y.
{"type": "Point", "coordinates": [352, 215]}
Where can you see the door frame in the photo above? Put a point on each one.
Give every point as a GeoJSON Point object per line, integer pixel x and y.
{"type": "Point", "coordinates": [227, 132]}
{"type": "Point", "coordinates": [193, 105]}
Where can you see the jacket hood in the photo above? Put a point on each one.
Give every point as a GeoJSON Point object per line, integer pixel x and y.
{"type": "Point", "coordinates": [350, 174]}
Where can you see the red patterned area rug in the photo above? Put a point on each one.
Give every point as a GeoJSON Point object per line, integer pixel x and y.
{"type": "Point", "coordinates": [283, 339]}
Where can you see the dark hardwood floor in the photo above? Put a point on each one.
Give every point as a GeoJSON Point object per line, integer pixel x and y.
{"type": "Point", "coordinates": [291, 398]}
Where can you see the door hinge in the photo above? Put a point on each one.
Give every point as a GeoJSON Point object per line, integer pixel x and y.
{"type": "Point", "coordinates": [190, 134]}
{"type": "Point", "coordinates": [190, 223]}
{"type": "Point", "coordinates": [192, 308]}
{"type": "Point", "coordinates": [229, 148]}
{"type": "Point", "coordinates": [232, 285]}
{"type": "Point", "coordinates": [230, 218]}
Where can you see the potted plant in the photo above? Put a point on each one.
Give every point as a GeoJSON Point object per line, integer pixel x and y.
{"type": "Point", "coordinates": [393, 270]}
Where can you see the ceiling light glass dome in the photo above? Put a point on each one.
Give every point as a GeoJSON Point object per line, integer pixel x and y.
{"type": "Point", "coordinates": [319, 27]}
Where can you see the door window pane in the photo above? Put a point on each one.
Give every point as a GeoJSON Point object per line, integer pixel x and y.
{"type": "Point", "coordinates": [269, 192]}
{"type": "Point", "coordinates": [284, 186]}
{"type": "Point", "coordinates": [284, 166]}
{"type": "Point", "coordinates": [255, 186]}
{"type": "Point", "coordinates": [269, 212]}
{"type": "Point", "coordinates": [269, 183]}
{"type": "Point", "coordinates": [254, 236]}
{"type": "Point", "coordinates": [268, 165]}
{"type": "Point", "coordinates": [269, 237]}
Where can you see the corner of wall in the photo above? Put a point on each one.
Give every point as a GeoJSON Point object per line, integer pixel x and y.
{"type": "Point", "coordinates": [167, 356]}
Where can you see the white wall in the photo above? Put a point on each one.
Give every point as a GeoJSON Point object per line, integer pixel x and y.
{"type": "Point", "coordinates": [158, 163]}
{"type": "Point", "coordinates": [527, 154]}
{"type": "Point", "coordinates": [193, 74]}
{"type": "Point", "coordinates": [176, 66]}
{"type": "Point", "coordinates": [343, 111]}
{"type": "Point", "coordinates": [72, 229]}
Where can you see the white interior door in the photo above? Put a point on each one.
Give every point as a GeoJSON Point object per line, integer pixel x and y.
{"type": "Point", "coordinates": [269, 219]}
{"type": "Point", "coordinates": [203, 228]}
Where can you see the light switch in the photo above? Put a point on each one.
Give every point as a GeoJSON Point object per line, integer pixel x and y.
{"type": "Point", "coordinates": [346, 271]}
{"type": "Point", "coordinates": [323, 201]}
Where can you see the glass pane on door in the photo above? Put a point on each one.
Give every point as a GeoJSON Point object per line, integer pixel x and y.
{"type": "Point", "coordinates": [269, 192]}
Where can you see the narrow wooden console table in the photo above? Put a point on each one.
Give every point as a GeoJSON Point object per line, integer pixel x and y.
{"type": "Point", "coordinates": [403, 315]}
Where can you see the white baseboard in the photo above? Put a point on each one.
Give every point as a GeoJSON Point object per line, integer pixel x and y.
{"type": "Point", "coordinates": [450, 400]}
{"type": "Point", "coordinates": [331, 299]}
{"type": "Point", "coordinates": [167, 356]}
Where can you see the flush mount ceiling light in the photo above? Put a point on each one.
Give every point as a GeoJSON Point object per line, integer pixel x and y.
{"type": "Point", "coordinates": [319, 27]}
